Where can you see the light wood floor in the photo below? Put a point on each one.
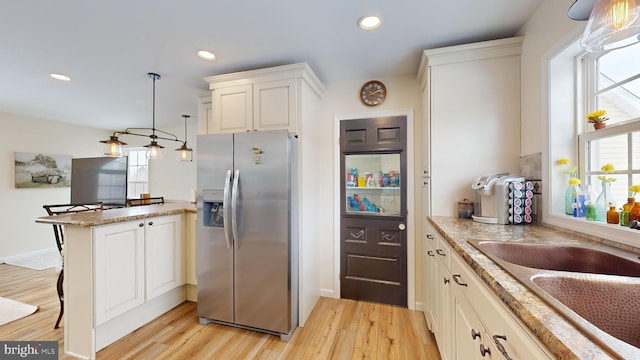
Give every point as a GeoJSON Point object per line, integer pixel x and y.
{"type": "Point", "coordinates": [337, 329]}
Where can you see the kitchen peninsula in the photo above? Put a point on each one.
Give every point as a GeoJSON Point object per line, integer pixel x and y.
{"type": "Point", "coordinates": [123, 267]}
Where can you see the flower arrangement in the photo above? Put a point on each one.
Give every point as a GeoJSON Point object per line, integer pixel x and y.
{"type": "Point", "coordinates": [607, 168]}
{"type": "Point", "coordinates": [634, 189]}
{"type": "Point", "coordinates": [571, 171]}
{"type": "Point", "coordinates": [596, 117]}
{"type": "Point", "coordinates": [574, 181]}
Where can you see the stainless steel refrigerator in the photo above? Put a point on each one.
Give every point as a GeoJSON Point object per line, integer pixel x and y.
{"type": "Point", "coordinates": [247, 232]}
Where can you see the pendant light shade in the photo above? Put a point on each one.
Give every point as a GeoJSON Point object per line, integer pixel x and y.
{"type": "Point", "coordinates": [612, 24]}
{"type": "Point", "coordinates": [153, 150]}
{"type": "Point", "coordinates": [113, 146]}
{"type": "Point", "coordinates": [185, 153]}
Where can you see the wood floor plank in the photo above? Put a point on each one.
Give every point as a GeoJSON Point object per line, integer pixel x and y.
{"type": "Point", "coordinates": [337, 329]}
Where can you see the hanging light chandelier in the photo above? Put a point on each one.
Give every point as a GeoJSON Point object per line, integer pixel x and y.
{"type": "Point", "coordinates": [612, 23]}
{"type": "Point", "coordinates": [114, 145]}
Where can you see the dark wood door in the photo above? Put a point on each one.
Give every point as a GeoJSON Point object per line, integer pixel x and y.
{"type": "Point", "coordinates": [373, 234]}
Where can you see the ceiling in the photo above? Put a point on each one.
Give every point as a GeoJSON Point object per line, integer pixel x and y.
{"type": "Point", "coordinates": [108, 47]}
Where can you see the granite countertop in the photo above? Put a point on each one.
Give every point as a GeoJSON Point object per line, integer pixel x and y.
{"type": "Point", "coordinates": [111, 216]}
{"type": "Point", "coordinates": [560, 337]}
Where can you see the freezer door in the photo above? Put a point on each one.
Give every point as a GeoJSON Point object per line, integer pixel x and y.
{"type": "Point", "coordinates": [214, 255]}
{"type": "Point", "coordinates": [262, 287]}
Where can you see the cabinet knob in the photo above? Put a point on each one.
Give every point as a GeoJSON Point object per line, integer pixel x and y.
{"type": "Point", "coordinates": [446, 281]}
{"type": "Point", "coordinates": [440, 252]}
{"type": "Point", "coordinates": [430, 253]}
{"type": "Point", "coordinates": [150, 222]}
{"type": "Point", "coordinates": [475, 334]}
{"type": "Point", "coordinates": [141, 225]}
{"type": "Point", "coordinates": [429, 236]}
{"type": "Point", "coordinates": [484, 351]}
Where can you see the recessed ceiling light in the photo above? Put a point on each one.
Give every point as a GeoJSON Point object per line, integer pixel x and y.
{"type": "Point", "coordinates": [205, 55]}
{"type": "Point", "coordinates": [60, 77]}
{"type": "Point", "coordinates": [369, 22]}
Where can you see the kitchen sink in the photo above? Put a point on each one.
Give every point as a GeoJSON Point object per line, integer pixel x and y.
{"type": "Point", "coordinates": [595, 287]}
{"type": "Point", "coordinates": [573, 258]}
{"type": "Point", "coordinates": [612, 305]}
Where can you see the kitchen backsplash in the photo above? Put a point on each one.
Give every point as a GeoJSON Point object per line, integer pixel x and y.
{"type": "Point", "coordinates": [531, 169]}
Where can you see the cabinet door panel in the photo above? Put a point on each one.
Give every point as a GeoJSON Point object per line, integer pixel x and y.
{"type": "Point", "coordinates": [119, 269]}
{"type": "Point", "coordinates": [274, 105]}
{"type": "Point", "coordinates": [163, 248]}
{"type": "Point", "coordinates": [233, 109]}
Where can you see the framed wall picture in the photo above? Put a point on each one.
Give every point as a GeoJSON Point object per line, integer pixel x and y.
{"type": "Point", "coordinates": [37, 170]}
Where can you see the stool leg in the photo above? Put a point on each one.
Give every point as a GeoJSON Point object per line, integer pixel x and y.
{"type": "Point", "coordinates": [60, 297]}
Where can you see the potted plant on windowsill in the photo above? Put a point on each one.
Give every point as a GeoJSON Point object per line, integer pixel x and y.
{"type": "Point", "coordinates": [597, 118]}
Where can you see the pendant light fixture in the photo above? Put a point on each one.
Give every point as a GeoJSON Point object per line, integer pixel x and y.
{"type": "Point", "coordinates": [114, 145]}
{"type": "Point", "coordinates": [612, 23]}
{"type": "Point", "coordinates": [185, 153]}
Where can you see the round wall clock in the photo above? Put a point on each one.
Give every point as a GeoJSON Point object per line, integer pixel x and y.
{"type": "Point", "coordinates": [373, 93]}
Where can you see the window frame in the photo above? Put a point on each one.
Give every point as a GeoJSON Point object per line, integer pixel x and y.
{"type": "Point", "coordinates": [563, 122]}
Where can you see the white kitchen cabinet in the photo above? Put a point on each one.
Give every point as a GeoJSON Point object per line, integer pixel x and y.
{"type": "Point", "coordinates": [119, 269]}
{"type": "Point", "coordinates": [263, 99]}
{"type": "Point", "coordinates": [429, 278]}
{"type": "Point", "coordinates": [471, 117]}
{"type": "Point", "coordinates": [478, 309]}
{"type": "Point", "coordinates": [205, 114]}
{"type": "Point", "coordinates": [135, 262]}
{"type": "Point", "coordinates": [164, 255]}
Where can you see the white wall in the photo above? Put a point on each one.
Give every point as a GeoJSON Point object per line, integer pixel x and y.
{"type": "Point", "coordinates": [20, 207]}
{"type": "Point", "coordinates": [342, 99]}
{"type": "Point", "coordinates": [169, 177]}
{"type": "Point", "coordinates": [548, 30]}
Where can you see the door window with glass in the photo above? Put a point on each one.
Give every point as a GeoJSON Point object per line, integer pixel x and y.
{"type": "Point", "coordinates": [373, 184]}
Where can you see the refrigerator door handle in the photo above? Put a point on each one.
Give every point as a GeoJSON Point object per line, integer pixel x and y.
{"type": "Point", "coordinates": [227, 203]}
{"type": "Point", "coordinates": [234, 207]}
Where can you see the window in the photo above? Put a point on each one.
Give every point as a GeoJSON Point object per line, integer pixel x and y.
{"type": "Point", "coordinates": [612, 83]}
{"type": "Point", "coordinates": [138, 175]}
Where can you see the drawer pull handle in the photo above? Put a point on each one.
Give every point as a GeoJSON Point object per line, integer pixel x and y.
{"type": "Point", "coordinates": [430, 253]}
{"type": "Point", "coordinates": [150, 222]}
{"type": "Point", "coordinates": [456, 277]}
{"type": "Point", "coordinates": [484, 351]}
{"type": "Point", "coordinates": [440, 252]}
{"type": "Point", "coordinates": [446, 281]}
{"type": "Point", "coordinates": [429, 236]}
{"type": "Point", "coordinates": [496, 339]}
{"type": "Point", "coordinates": [475, 334]}
{"type": "Point", "coordinates": [141, 225]}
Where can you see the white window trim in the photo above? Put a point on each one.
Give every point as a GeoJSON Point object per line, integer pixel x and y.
{"type": "Point", "coordinates": [560, 124]}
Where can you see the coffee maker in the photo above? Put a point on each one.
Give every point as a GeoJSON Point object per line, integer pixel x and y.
{"type": "Point", "coordinates": [491, 198]}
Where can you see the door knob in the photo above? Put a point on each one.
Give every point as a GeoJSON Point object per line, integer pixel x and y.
{"type": "Point", "coordinates": [402, 227]}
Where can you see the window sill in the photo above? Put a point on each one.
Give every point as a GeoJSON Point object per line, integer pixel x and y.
{"type": "Point", "coordinates": [610, 232]}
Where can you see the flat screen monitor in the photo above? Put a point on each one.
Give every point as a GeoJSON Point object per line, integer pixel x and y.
{"type": "Point", "coordinates": [99, 179]}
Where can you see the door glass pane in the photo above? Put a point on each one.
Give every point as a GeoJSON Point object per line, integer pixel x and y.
{"type": "Point", "coordinates": [373, 184]}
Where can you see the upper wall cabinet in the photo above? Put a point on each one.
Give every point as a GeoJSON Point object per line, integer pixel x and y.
{"type": "Point", "coordinates": [264, 99]}
{"type": "Point", "coordinates": [471, 117]}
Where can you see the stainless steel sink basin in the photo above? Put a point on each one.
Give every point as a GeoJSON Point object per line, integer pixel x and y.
{"type": "Point", "coordinates": [594, 287]}
{"type": "Point", "coordinates": [562, 257]}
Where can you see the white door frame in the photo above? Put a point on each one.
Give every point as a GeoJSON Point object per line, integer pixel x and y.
{"type": "Point", "coordinates": [411, 266]}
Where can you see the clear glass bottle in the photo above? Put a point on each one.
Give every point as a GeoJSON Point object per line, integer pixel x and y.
{"type": "Point", "coordinates": [612, 215]}
{"type": "Point", "coordinates": [602, 203]}
{"type": "Point", "coordinates": [570, 199]}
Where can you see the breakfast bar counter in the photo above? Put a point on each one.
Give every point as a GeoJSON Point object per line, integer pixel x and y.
{"type": "Point", "coordinates": [122, 268]}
